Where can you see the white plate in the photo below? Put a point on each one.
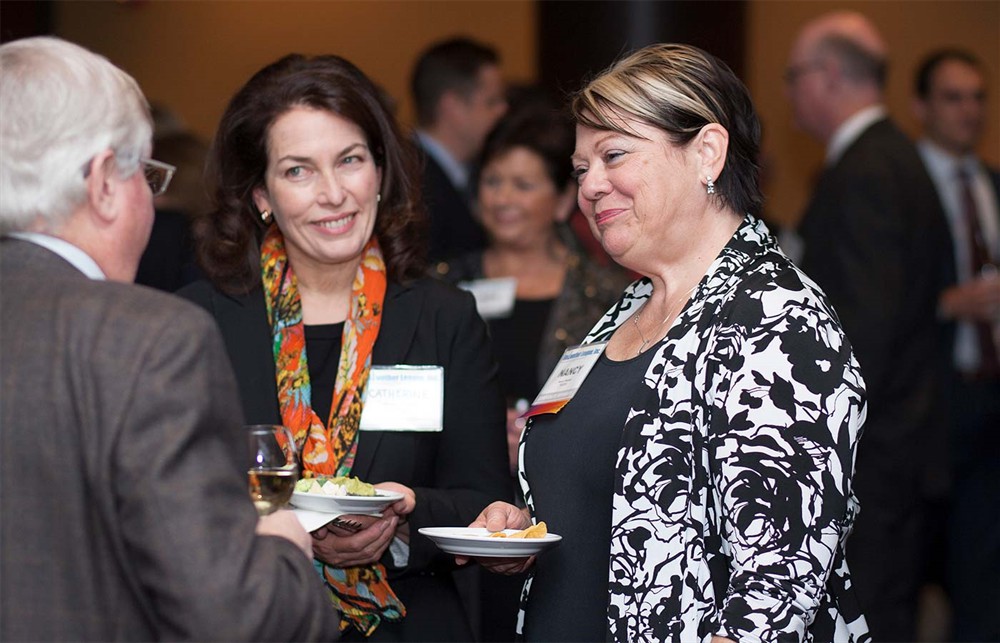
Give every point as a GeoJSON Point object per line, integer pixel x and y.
{"type": "Point", "coordinates": [345, 504]}
{"type": "Point", "coordinates": [476, 541]}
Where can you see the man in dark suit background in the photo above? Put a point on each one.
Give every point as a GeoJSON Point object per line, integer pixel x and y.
{"type": "Point", "coordinates": [459, 96]}
{"type": "Point", "coordinates": [875, 240]}
{"type": "Point", "coordinates": [950, 103]}
{"type": "Point", "coordinates": [124, 513]}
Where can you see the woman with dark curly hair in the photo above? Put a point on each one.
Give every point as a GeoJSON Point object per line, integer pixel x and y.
{"type": "Point", "coordinates": [314, 256]}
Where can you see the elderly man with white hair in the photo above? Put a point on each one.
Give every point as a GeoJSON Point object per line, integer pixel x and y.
{"type": "Point", "coordinates": [124, 513]}
{"type": "Point", "coordinates": [876, 241]}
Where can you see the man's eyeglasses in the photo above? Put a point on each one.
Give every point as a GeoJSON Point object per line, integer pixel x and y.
{"type": "Point", "coordinates": [157, 175]}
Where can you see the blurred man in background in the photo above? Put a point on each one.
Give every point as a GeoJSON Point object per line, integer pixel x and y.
{"type": "Point", "coordinates": [950, 103]}
{"type": "Point", "coordinates": [875, 240]}
{"type": "Point", "coordinates": [459, 95]}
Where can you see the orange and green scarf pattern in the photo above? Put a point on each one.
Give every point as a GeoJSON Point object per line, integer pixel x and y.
{"type": "Point", "coordinates": [362, 594]}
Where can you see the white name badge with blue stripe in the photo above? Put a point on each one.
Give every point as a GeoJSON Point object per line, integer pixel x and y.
{"type": "Point", "coordinates": [566, 378]}
{"type": "Point", "coordinates": [494, 297]}
{"type": "Point", "coordinates": [404, 398]}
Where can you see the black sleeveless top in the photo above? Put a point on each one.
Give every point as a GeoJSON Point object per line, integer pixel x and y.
{"type": "Point", "coordinates": [517, 340]}
{"type": "Point", "coordinates": [323, 357]}
{"type": "Point", "coordinates": [569, 459]}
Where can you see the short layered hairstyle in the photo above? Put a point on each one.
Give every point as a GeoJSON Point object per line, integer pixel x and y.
{"type": "Point", "coordinates": [680, 89]}
{"type": "Point", "coordinates": [547, 133]}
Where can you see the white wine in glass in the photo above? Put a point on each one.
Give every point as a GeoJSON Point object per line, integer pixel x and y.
{"type": "Point", "coordinates": [273, 470]}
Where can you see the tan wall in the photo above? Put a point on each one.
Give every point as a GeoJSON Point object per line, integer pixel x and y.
{"type": "Point", "coordinates": [192, 56]}
{"type": "Point", "coordinates": [910, 28]}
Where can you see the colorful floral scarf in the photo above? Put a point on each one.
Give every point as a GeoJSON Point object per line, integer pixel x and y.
{"type": "Point", "coordinates": [362, 594]}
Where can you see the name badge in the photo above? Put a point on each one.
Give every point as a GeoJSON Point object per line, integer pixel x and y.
{"type": "Point", "coordinates": [566, 378]}
{"type": "Point", "coordinates": [404, 398]}
{"type": "Point", "coordinates": [494, 297]}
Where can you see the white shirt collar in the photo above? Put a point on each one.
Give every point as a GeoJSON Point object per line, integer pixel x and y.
{"type": "Point", "coordinates": [850, 130]}
{"type": "Point", "coordinates": [457, 172]}
{"type": "Point", "coordinates": [76, 257]}
{"type": "Point", "coordinates": [945, 164]}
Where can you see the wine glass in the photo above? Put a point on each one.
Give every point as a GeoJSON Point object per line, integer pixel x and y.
{"type": "Point", "coordinates": [273, 470]}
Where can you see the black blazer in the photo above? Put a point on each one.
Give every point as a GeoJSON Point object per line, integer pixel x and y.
{"type": "Point", "coordinates": [877, 242]}
{"type": "Point", "coordinates": [454, 230]}
{"type": "Point", "coordinates": [168, 261]}
{"type": "Point", "coordinates": [455, 473]}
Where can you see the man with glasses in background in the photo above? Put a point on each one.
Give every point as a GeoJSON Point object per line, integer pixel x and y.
{"type": "Point", "coordinates": [875, 240]}
{"type": "Point", "coordinates": [125, 513]}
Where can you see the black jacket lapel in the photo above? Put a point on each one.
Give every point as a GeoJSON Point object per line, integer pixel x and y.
{"type": "Point", "coordinates": [401, 310]}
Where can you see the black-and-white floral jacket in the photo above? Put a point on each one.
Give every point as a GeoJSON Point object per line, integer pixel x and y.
{"type": "Point", "coordinates": [733, 496]}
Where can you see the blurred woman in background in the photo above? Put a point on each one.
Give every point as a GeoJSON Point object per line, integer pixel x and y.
{"type": "Point", "coordinates": [538, 290]}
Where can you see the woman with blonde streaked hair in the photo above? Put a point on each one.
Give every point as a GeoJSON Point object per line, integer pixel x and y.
{"type": "Point", "coordinates": [701, 474]}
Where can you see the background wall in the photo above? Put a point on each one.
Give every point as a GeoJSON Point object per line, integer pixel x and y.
{"type": "Point", "coordinates": [192, 56]}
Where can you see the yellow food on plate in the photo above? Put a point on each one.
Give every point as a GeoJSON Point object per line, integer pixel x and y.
{"type": "Point", "coordinates": [534, 531]}
{"type": "Point", "coordinates": [335, 486]}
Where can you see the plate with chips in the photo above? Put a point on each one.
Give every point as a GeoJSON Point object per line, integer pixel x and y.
{"type": "Point", "coordinates": [477, 541]}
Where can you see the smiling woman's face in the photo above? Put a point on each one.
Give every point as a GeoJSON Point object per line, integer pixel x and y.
{"type": "Point", "coordinates": [518, 199]}
{"type": "Point", "coordinates": [633, 188]}
{"type": "Point", "coordinates": [321, 183]}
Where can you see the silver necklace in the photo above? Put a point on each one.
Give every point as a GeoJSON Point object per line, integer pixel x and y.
{"type": "Point", "coordinates": [642, 336]}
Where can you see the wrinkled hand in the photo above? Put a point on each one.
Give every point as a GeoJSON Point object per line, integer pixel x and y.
{"type": "Point", "coordinates": [497, 517]}
{"type": "Point", "coordinates": [284, 523]}
{"type": "Point", "coordinates": [974, 300]}
{"type": "Point", "coordinates": [502, 515]}
{"type": "Point", "coordinates": [335, 547]}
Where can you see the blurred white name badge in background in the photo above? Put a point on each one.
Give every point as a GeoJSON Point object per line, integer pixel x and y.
{"type": "Point", "coordinates": [494, 297]}
{"type": "Point", "coordinates": [404, 398]}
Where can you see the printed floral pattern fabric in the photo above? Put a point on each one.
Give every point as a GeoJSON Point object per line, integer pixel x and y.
{"type": "Point", "coordinates": [733, 498]}
{"type": "Point", "coordinates": [361, 594]}
{"type": "Point", "coordinates": [327, 448]}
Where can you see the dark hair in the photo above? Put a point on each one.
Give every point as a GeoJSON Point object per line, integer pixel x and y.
{"type": "Point", "coordinates": [228, 239]}
{"type": "Point", "coordinates": [925, 72]}
{"type": "Point", "coordinates": [187, 152]}
{"type": "Point", "coordinates": [450, 65]}
{"type": "Point", "coordinates": [545, 132]}
{"type": "Point", "coordinates": [858, 63]}
{"type": "Point", "coordinates": [680, 89]}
